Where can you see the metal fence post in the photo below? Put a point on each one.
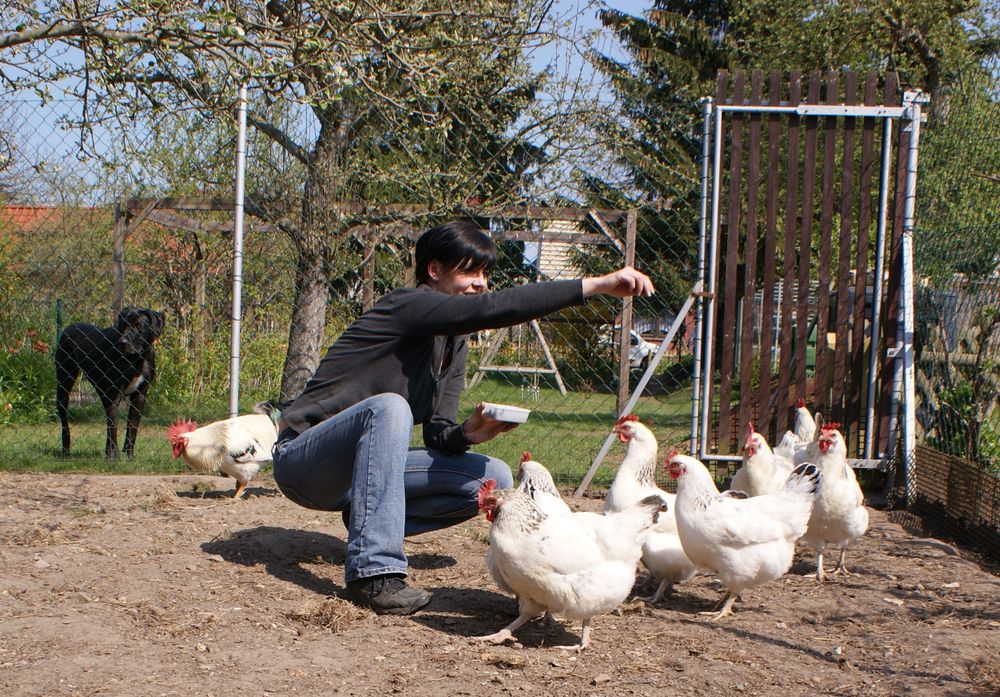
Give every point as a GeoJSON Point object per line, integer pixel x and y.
{"type": "Point", "coordinates": [234, 353]}
{"type": "Point", "coordinates": [706, 159]}
{"type": "Point", "coordinates": [913, 100]}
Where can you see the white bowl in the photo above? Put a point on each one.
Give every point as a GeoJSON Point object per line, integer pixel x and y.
{"type": "Point", "coordinates": [506, 412]}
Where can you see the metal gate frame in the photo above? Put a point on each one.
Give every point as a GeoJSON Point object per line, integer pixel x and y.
{"type": "Point", "coordinates": [909, 117]}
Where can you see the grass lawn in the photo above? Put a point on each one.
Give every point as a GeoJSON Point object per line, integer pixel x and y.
{"type": "Point", "coordinates": [564, 433]}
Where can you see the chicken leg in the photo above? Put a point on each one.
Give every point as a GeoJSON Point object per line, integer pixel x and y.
{"type": "Point", "coordinates": [508, 631]}
{"type": "Point", "coordinates": [841, 565]}
{"type": "Point", "coordinates": [584, 640]}
{"type": "Point", "coordinates": [664, 589]}
{"type": "Point", "coordinates": [727, 608]}
{"type": "Point", "coordinates": [240, 486]}
{"type": "Point", "coordinates": [820, 576]}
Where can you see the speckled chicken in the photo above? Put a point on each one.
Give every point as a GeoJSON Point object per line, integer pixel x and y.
{"type": "Point", "coordinates": [575, 566]}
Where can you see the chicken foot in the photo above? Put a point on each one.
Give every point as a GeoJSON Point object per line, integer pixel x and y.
{"type": "Point", "coordinates": [240, 486]}
{"type": "Point", "coordinates": [727, 608]}
{"type": "Point", "coordinates": [820, 576]}
{"type": "Point", "coordinates": [841, 564]}
{"type": "Point", "coordinates": [664, 589]}
{"type": "Point", "coordinates": [507, 633]}
{"type": "Point", "coordinates": [584, 640]}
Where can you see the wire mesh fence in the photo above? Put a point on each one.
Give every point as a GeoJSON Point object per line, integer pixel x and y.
{"type": "Point", "coordinates": [957, 312]}
{"type": "Point", "coordinates": [151, 226]}
{"type": "Point", "coordinates": [140, 213]}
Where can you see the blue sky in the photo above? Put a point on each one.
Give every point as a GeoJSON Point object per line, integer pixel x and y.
{"type": "Point", "coordinates": [53, 146]}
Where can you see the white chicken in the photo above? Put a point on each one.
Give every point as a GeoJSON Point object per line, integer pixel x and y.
{"type": "Point", "coordinates": [662, 553]}
{"type": "Point", "coordinates": [839, 516]}
{"type": "Point", "coordinates": [535, 481]}
{"type": "Point", "coordinates": [795, 449]}
{"type": "Point", "coordinates": [763, 471]}
{"type": "Point", "coordinates": [575, 566]}
{"type": "Point", "coordinates": [805, 424]}
{"type": "Point", "coordinates": [237, 446]}
{"type": "Point", "coordinates": [744, 541]}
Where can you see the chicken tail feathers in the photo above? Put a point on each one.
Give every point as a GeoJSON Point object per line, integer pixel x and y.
{"type": "Point", "coordinates": [655, 504]}
{"type": "Point", "coordinates": [804, 479]}
{"type": "Point", "coordinates": [176, 431]}
{"type": "Point", "coordinates": [268, 408]}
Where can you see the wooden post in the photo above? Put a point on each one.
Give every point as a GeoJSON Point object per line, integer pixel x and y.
{"type": "Point", "coordinates": [625, 339]}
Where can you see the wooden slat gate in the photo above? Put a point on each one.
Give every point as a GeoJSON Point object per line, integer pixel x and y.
{"type": "Point", "coordinates": [801, 259]}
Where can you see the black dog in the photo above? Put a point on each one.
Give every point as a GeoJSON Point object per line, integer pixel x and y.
{"type": "Point", "coordinates": [117, 361]}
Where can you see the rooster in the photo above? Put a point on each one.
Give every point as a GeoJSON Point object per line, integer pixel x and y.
{"type": "Point", "coordinates": [744, 541]}
{"type": "Point", "coordinates": [576, 566]}
{"type": "Point", "coordinates": [237, 446]}
{"type": "Point", "coordinates": [662, 553]}
{"type": "Point", "coordinates": [839, 516]}
{"type": "Point", "coordinates": [763, 471]}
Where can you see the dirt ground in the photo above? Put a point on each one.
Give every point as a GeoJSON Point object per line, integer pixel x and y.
{"type": "Point", "coordinates": [133, 585]}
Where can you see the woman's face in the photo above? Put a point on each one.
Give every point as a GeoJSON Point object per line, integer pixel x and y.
{"type": "Point", "coordinates": [456, 281]}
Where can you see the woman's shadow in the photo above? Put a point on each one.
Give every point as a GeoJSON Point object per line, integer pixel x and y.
{"type": "Point", "coordinates": [284, 552]}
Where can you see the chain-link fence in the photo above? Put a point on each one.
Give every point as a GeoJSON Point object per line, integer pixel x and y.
{"type": "Point", "coordinates": [957, 313]}
{"type": "Point", "coordinates": [88, 227]}
{"type": "Point", "coordinates": [141, 213]}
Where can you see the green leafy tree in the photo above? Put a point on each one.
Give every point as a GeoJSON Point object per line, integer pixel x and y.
{"type": "Point", "coordinates": [423, 103]}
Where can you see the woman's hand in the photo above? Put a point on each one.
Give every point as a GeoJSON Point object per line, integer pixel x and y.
{"type": "Point", "coordinates": [479, 428]}
{"type": "Point", "coordinates": [620, 284]}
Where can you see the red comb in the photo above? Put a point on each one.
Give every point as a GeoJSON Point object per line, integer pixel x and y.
{"type": "Point", "coordinates": [831, 426]}
{"type": "Point", "coordinates": [801, 403]}
{"type": "Point", "coordinates": [626, 417]}
{"type": "Point", "coordinates": [179, 428]}
{"type": "Point", "coordinates": [525, 456]}
{"type": "Point", "coordinates": [485, 490]}
{"type": "Point", "coordinates": [673, 453]}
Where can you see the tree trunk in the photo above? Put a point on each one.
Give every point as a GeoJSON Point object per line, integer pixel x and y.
{"type": "Point", "coordinates": [306, 332]}
{"type": "Point", "coordinates": [319, 240]}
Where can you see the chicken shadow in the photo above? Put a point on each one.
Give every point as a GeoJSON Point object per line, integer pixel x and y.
{"type": "Point", "coordinates": [474, 612]}
{"type": "Point", "coordinates": [248, 493]}
{"type": "Point", "coordinates": [886, 671]}
{"type": "Point", "coordinates": [283, 553]}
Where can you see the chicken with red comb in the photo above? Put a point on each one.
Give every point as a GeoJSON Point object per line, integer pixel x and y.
{"type": "Point", "coordinates": [744, 541]}
{"type": "Point", "coordinates": [662, 553]}
{"type": "Point", "coordinates": [839, 516]}
{"type": "Point", "coordinates": [237, 446]}
{"type": "Point", "coordinates": [761, 472]}
{"type": "Point", "coordinates": [576, 566]}
{"type": "Point", "coordinates": [805, 423]}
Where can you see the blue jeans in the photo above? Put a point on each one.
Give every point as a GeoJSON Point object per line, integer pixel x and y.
{"type": "Point", "coordinates": [360, 460]}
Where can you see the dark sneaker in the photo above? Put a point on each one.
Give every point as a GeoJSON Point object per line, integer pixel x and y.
{"type": "Point", "coordinates": [387, 595]}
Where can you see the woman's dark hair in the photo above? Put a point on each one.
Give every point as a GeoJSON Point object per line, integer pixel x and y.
{"type": "Point", "coordinates": [456, 245]}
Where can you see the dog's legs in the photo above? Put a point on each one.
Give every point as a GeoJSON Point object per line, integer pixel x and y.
{"type": "Point", "coordinates": [111, 411]}
{"type": "Point", "coordinates": [136, 405]}
{"type": "Point", "coordinates": [67, 372]}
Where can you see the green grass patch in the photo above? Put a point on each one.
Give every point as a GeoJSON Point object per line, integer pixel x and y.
{"type": "Point", "coordinates": [565, 433]}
